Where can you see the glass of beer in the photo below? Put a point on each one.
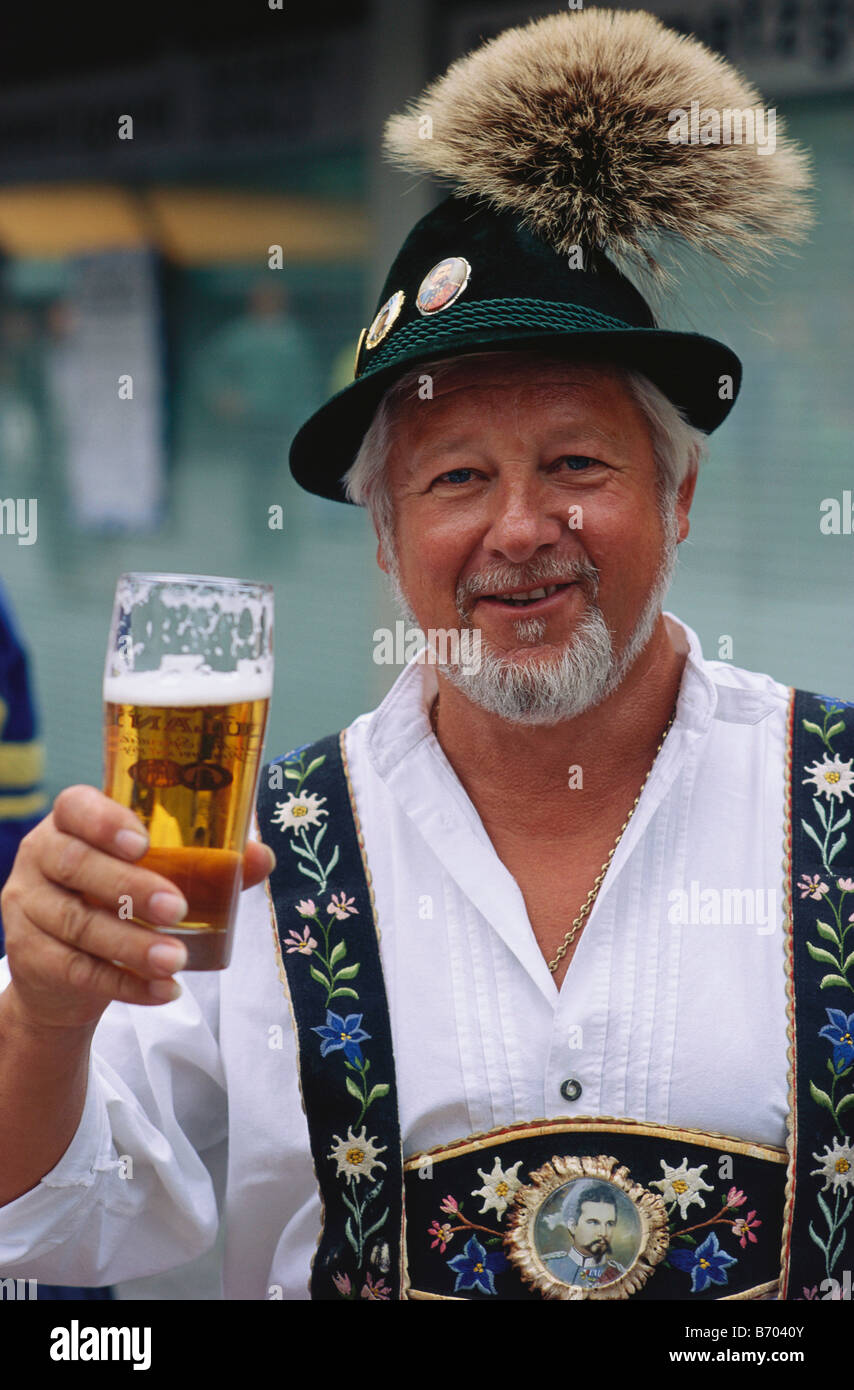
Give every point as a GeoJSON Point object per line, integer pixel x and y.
{"type": "Point", "coordinates": [187, 688]}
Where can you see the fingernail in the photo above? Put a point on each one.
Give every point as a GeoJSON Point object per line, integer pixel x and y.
{"type": "Point", "coordinates": [167, 908]}
{"type": "Point", "coordinates": [271, 858]}
{"type": "Point", "coordinates": [131, 843]}
{"type": "Point", "coordinates": [164, 989]}
{"type": "Point", "coordinates": [167, 958]}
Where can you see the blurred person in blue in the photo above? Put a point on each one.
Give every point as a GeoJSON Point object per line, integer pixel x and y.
{"type": "Point", "coordinates": [22, 798]}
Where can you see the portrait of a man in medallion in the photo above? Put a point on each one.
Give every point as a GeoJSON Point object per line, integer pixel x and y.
{"type": "Point", "coordinates": [444, 283]}
{"type": "Point", "coordinates": [587, 1233]}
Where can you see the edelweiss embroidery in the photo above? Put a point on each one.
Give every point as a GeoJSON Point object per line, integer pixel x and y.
{"type": "Point", "coordinates": [823, 913]}
{"type": "Point", "coordinates": [328, 953]}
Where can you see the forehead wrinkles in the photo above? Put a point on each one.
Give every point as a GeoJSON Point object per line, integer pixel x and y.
{"type": "Point", "coordinates": [543, 388]}
{"type": "Point", "coordinates": [544, 391]}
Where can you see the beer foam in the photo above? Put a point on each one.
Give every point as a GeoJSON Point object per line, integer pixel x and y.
{"type": "Point", "coordinates": [184, 681]}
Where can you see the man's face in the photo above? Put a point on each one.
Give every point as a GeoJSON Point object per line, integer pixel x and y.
{"type": "Point", "coordinates": [513, 478]}
{"type": "Point", "coordinates": [594, 1229]}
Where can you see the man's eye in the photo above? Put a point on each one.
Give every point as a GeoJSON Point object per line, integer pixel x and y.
{"type": "Point", "coordinates": [576, 463]}
{"type": "Point", "coordinates": [456, 475]}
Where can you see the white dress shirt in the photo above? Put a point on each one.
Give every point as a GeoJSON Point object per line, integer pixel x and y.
{"type": "Point", "coordinates": [193, 1108]}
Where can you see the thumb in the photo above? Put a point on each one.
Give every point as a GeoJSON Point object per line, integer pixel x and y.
{"type": "Point", "coordinates": [258, 863]}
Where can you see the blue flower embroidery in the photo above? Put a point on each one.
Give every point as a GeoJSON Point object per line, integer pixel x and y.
{"type": "Point", "coordinates": [840, 1032]}
{"type": "Point", "coordinates": [346, 1033]}
{"type": "Point", "coordinates": [293, 755]}
{"type": "Point", "coordinates": [706, 1265]}
{"type": "Point", "coordinates": [475, 1269]}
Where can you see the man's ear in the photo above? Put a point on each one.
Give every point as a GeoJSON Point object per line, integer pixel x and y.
{"type": "Point", "coordinates": [381, 559]}
{"type": "Point", "coordinates": [684, 498]}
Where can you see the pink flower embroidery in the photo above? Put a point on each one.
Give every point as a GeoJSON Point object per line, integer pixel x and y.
{"type": "Point", "coordinates": [306, 907]}
{"type": "Point", "coordinates": [811, 886]}
{"type": "Point", "coordinates": [449, 1206]}
{"type": "Point", "coordinates": [342, 907]}
{"type": "Point", "coordinates": [442, 1233]}
{"type": "Point", "coordinates": [305, 944]}
{"type": "Point", "coordinates": [342, 1283]}
{"type": "Point", "coordinates": [743, 1228]}
{"type": "Point", "coordinates": [735, 1197]}
{"type": "Point", "coordinates": [379, 1290]}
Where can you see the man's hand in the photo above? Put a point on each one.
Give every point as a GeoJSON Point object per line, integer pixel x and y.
{"type": "Point", "coordinates": [70, 954]}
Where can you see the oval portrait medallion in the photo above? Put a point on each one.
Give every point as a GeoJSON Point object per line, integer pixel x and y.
{"type": "Point", "coordinates": [386, 317]}
{"type": "Point", "coordinates": [584, 1229]}
{"type": "Point", "coordinates": [443, 285]}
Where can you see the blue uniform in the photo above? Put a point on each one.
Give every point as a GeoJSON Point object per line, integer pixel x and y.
{"type": "Point", "coordinates": [571, 1267]}
{"type": "Point", "coordinates": [22, 801]}
{"type": "Point", "coordinates": [22, 798]}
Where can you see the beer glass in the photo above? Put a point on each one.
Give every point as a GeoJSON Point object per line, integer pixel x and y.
{"type": "Point", "coordinates": [187, 688]}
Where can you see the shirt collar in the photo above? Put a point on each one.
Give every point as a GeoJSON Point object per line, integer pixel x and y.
{"type": "Point", "coordinates": [708, 690]}
{"type": "Point", "coordinates": [403, 718]}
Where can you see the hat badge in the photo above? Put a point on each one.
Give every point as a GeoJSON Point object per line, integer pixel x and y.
{"type": "Point", "coordinates": [443, 285]}
{"type": "Point", "coordinates": [386, 316]}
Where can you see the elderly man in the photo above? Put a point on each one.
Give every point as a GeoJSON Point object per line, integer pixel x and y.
{"type": "Point", "coordinates": [578, 665]}
{"type": "Point", "coordinates": [477, 990]}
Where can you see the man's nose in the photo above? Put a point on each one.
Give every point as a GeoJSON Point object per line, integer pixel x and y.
{"type": "Point", "coordinates": [522, 520]}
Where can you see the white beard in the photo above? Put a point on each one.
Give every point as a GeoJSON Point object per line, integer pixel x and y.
{"type": "Point", "coordinates": [568, 680]}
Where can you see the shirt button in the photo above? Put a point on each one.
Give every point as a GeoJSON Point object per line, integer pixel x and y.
{"type": "Point", "coordinates": [570, 1089]}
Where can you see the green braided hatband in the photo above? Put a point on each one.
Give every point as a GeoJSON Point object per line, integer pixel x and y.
{"type": "Point", "coordinates": [544, 315]}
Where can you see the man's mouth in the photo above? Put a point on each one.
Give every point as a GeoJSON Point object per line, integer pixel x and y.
{"type": "Point", "coordinates": [525, 598]}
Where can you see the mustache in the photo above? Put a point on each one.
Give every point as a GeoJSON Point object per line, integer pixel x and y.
{"type": "Point", "coordinates": [508, 579]}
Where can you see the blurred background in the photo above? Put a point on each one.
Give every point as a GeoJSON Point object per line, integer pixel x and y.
{"type": "Point", "coordinates": [144, 177]}
{"type": "Point", "coordinates": [147, 177]}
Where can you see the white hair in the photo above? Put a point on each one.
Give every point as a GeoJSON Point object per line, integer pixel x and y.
{"type": "Point", "coordinates": [677, 445]}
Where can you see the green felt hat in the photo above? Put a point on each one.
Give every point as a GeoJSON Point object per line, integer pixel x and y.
{"type": "Point", "coordinates": [558, 143]}
{"type": "Point", "coordinates": [470, 279]}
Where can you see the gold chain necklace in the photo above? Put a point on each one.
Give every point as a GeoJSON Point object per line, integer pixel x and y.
{"type": "Point", "coordinates": [592, 895]}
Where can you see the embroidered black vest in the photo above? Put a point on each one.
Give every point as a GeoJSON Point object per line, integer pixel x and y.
{"type": "Point", "coordinates": [588, 1207]}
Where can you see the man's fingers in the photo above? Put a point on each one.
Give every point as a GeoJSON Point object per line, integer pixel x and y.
{"type": "Point", "coordinates": [100, 934]}
{"type": "Point", "coordinates": [259, 861]}
{"type": "Point", "coordinates": [96, 979]}
{"type": "Point", "coordinates": [84, 813]}
{"type": "Point", "coordinates": [113, 883]}
{"type": "Point", "coordinates": [89, 815]}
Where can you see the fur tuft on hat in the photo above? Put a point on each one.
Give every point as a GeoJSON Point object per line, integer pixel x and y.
{"type": "Point", "coordinates": [567, 122]}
